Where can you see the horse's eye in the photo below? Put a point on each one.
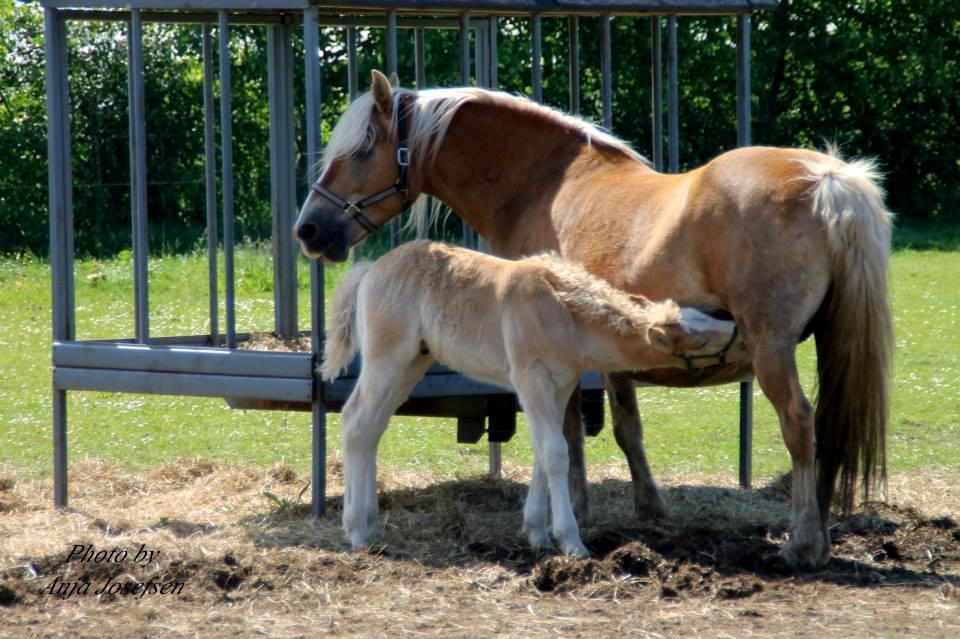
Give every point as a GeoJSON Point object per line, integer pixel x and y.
{"type": "Point", "coordinates": [363, 154]}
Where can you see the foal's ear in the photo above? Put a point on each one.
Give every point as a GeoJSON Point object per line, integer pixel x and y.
{"type": "Point", "coordinates": [381, 91]}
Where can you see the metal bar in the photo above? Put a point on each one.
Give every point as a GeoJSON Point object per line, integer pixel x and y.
{"type": "Point", "coordinates": [469, 235]}
{"type": "Point", "coordinates": [419, 55]}
{"type": "Point", "coordinates": [189, 384]}
{"type": "Point", "coordinates": [182, 359]}
{"type": "Point", "coordinates": [743, 139]}
{"type": "Point", "coordinates": [353, 89]}
{"type": "Point", "coordinates": [480, 47]}
{"type": "Point", "coordinates": [573, 77]}
{"type": "Point", "coordinates": [282, 178]}
{"type": "Point", "coordinates": [673, 99]}
{"type": "Point", "coordinates": [465, 75]}
{"type": "Point", "coordinates": [746, 434]}
{"type": "Point", "coordinates": [493, 34]}
{"type": "Point", "coordinates": [395, 223]}
{"type": "Point", "coordinates": [536, 37]}
{"type": "Point", "coordinates": [743, 80]}
{"type": "Point", "coordinates": [60, 494]}
{"type": "Point", "coordinates": [226, 158]}
{"type": "Point", "coordinates": [318, 428]}
{"type": "Point", "coordinates": [606, 72]}
{"type": "Point", "coordinates": [138, 176]}
{"type": "Point", "coordinates": [656, 81]}
{"type": "Point", "coordinates": [59, 177]}
{"type": "Point", "coordinates": [61, 226]}
{"type": "Point", "coordinates": [210, 178]}
{"type": "Point", "coordinates": [353, 82]}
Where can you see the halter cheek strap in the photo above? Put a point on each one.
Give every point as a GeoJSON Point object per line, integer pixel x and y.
{"type": "Point", "coordinates": [720, 356]}
{"type": "Point", "coordinates": [401, 185]}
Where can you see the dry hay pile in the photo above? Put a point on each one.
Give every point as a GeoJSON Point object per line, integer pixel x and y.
{"type": "Point", "coordinates": [453, 564]}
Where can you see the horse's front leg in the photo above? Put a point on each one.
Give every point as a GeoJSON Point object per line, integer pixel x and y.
{"type": "Point", "coordinates": [776, 368]}
{"type": "Point", "coordinates": [628, 431]}
{"type": "Point", "coordinates": [574, 434]}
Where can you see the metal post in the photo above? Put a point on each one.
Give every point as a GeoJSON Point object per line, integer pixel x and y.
{"type": "Point", "coordinates": [282, 177]}
{"type": "Point", "coordinates": [419, 54]}
{"type": "Point", "coordinates": [311, 45]}
{"type": "Point", "coordinates": [536, 37]}
{"type": "Point", "coordinates": [392, 69]}
{"type": "Point", "coordinates": [465, 76]}
{"type": "Point", "coordinates": [656, 81]}
{"type": "Point", "coordinates": [138, 175]}
{"type": "Point", "coordinates": [573, 39]}
{"type": "Point", "coordinates": [352, 79]}
{"type": "Point", "coordinates": [226, 159]}
{"type": "Point", "coordinates": [59, 182]}
{"type": "Point", "coordinates": [606, 72]}
{"type": "Point", "coordinates": [353, 89]}
{"type": "Point", "coordinates": [673, 100]}
{"type": "Point", "coordinates": [493, 78]}
{"type": "Point", "coordinates": [210, 179]}
{"type": "Point", "coordinates": [743, 139]}
{"type": "Point", "coordinates": [469, 235]}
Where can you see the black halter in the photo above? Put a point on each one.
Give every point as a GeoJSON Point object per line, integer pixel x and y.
{"type": "Point", "coordinates": [401, 185]}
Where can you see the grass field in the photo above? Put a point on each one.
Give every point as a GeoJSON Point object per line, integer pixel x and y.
{"type": "Point", "coordinates": [686, 430]}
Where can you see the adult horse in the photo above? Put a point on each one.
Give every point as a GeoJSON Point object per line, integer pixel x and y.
{"type": "Point", "coordinates": [787, 241]}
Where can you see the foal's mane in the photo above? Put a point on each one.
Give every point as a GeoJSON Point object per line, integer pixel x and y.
{"type": "Point", "coordinates": [594, 300]}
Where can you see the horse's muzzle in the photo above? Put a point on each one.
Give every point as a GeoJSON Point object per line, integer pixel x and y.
{"type": "Point", "coordinates": [322, 240]}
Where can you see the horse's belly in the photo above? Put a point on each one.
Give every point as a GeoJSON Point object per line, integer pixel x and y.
{"type": "Point", "coordinates": [703, 377]}
{"type": "Point", "coordinates": [481, 362]}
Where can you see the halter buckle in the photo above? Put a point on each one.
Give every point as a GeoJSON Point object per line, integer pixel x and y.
{"type": "Point", "coordinates": [403, 156]}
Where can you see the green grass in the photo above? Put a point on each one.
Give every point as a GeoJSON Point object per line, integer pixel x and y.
{"type": "Point", "coordinates": [686, 430]}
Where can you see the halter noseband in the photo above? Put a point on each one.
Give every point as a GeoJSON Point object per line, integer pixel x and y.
{"type": "Point", "coordinates": [401, 185]}
{"type": "Point", "coordinates": [720, 356]}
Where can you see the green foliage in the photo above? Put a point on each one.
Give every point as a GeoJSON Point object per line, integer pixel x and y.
{"type": "Point", "coordinates": [879, 77]}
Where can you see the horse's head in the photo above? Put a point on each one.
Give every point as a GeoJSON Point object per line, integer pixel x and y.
{"type": "Point", "coordinates": [364, 181]}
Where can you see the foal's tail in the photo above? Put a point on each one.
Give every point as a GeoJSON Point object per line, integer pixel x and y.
{"type": "Point", "coordinates": [341, 341]}
{"type": "Point", "coordinates": [855, 337]}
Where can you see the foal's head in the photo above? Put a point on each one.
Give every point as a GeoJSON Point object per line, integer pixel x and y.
{"type": "Point", "coordinates": [364, 181]}
{"type": "Point", "coordinates": [685, 331]}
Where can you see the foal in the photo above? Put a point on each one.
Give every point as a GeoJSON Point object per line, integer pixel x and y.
{"type": "Point", "coordinates": [532, 325]}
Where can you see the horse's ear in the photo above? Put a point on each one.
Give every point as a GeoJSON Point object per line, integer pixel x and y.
{"type": "Point", "coordinates": [640, 300]}
{"type": "Point", "coordinates": [381, 91]}
{"type": "Point", "coordinates": [394, 80]}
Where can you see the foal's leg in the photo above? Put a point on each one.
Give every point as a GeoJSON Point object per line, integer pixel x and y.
{"type": "Point", "coordinates": [573, 433]}
{"type": "Point", "coordinates": [543, 402]}
{"type": "Point", "coordinates": [776, 369]}
{"type": "Point", "coordinates": [536, 508]}
{"type": "Point", "coordinates": [381, 388]}
{"type": "Point", "coordinates": [628, 431]}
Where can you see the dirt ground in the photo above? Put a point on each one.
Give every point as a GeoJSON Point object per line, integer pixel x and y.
{"type": "Point", "coordinates": [238, 556]}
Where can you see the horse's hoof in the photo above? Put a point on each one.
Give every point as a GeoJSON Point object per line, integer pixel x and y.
{"type": "Point", "coordinates": [806, 556]}
{"type": "Point", "coordinates": [650, 508]}
{"type": "Point", "coordinates": [538, 538]}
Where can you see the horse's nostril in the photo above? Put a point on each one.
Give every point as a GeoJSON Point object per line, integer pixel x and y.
{"type": "Point", "coordinates": [306, 231]}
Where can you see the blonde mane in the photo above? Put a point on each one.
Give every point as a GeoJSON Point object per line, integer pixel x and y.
{"type": "Point", "coordinates": [433, 111]}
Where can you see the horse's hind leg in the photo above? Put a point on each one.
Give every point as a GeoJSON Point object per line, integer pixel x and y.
{"type": "Point", "coordinates": [775, 365]}
{"type": "Point", "coordinates": [628, 431]}
{"type": "Point", "coordinates": [381, 388]}
{"type": "Point", "coordinates": [573, 433]}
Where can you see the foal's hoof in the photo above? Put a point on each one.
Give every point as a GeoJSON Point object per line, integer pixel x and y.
{"type": "Point", "coordinates": [649, 507]}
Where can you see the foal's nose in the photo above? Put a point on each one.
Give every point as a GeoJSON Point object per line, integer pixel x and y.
{"type": "Point", "coordinates": [306, 232]}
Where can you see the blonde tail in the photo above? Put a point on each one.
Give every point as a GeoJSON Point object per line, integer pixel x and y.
{"type": "Point", "coordinates": [855, 339]}
{"type": "Point", "coordinates": [341, 340]}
